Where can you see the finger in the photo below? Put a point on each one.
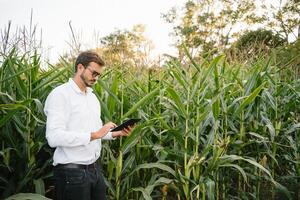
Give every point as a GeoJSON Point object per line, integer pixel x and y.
{"type": "Point", "coordinates": [128, 130]}
{"type": "Point", "coordinates": [110, 124]}
{"type": "Point", "coordinates": [113, 124]}
{"type": "Point", "coordinates": [125, 133]}
{"type": "Point", "coordinates": [120, 133]}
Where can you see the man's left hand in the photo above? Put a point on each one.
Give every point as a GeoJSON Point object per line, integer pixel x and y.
{"type": "Point", "coordinates": [125, 132]}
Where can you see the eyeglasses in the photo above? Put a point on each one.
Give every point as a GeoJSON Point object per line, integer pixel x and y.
{"type": "Point", "coordinates": [94, 73]}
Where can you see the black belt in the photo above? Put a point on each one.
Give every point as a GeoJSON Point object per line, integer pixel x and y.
{"type": "Point", "coordinates": [76, 166]}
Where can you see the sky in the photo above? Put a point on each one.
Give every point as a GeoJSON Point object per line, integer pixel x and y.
{"type": "Point", "coordinates": [89, 17]}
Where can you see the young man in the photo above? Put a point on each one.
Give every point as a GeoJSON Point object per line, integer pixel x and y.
{"type": "Point", "coordinates": [75, 129]}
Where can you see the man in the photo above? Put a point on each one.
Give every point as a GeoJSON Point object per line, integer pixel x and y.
{"type": "Point", "coordinates": [75, 129]}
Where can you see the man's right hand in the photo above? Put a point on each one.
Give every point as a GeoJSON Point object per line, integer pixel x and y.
{"type": "Point", "coordinates": [102, 131]}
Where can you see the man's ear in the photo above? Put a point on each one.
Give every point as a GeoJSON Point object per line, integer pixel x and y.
{"type": "Point", "coordinates": [80, 67]}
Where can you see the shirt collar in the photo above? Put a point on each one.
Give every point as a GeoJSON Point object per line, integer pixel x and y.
{"type": "Point", "coordinates": [77, 89]}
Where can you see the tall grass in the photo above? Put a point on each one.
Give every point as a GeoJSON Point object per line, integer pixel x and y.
{"type": "Point", "coordinates": [210, 129]}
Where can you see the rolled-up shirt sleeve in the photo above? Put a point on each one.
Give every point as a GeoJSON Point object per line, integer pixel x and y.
{"type": "Point", "coordinates": [57, 112]}
{"type": "Point", "coordinates": [108, 136]}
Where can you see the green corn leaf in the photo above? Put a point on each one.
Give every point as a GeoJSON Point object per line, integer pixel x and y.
{"type": "Point", "coordinates": [249, 99]}
{"type": "Point", "coordinates": [141, 102]}
{"type": "Point", "coordinates": [100, 81]}
{"type": "Point", "coordinates": [17, 74]}
{"type": "Point", "coordinates": [48, 81]}
{"type": "Point", "coordinates": [176, 98]}
{"type": "Point", "coordinates": [7, 117]}
{"type": "Point", "coordinates": [154, 165]}
{"type": "Point", "coordinates": [210, 189]}
{"type": "Point", "coordinates": [131, 140]}
{"type": "Point", "coordinates": [39, 186]}
{"type": "Point", "coordinates": [213, 64]}
{"type": "Point", "coordinates": [252, 162]}
{"type": "Point", "coordinates": [146, 195]}
{"type": "Point", "coordinates": [26, 196]}
{"type": "Point", "coordinates": [293, 128]}
{"type": "Point", "coordinates": [190, 58]}
{"type": "Point", "coordinates": [240, 169]}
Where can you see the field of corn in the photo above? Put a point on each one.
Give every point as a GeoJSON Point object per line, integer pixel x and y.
{"type": "Point", "coordinates": [210, 129]}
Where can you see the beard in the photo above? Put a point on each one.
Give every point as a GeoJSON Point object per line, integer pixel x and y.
{"type": "Point", "coordinates": [86, 81]}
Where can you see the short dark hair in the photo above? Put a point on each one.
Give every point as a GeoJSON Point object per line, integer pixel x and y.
{"type": "Point", "coordinates": [86, 57]}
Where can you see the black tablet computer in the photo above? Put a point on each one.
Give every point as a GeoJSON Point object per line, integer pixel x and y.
{"type": "Point", "coordinates": [125, 124]}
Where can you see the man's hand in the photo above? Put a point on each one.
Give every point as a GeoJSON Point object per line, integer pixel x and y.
{"type": "Point", "coordinates": [103, 131]}
{"type": "Point", "coordinates": [125, 132]}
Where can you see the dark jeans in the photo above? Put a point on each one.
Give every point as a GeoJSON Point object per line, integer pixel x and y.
{"type": "Point", "coordinates": [79, 184]}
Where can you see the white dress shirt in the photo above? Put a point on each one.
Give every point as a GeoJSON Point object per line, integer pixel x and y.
{"type": "Point", "coordinates": [72, 116]}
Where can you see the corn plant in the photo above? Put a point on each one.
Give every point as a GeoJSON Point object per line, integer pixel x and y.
{"type": "Point", "coordinates": [207, 130]}
{"type": "Point", "coordinates": [210, 129]}
{"type": "Point", "coordinates": [25, 155]}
